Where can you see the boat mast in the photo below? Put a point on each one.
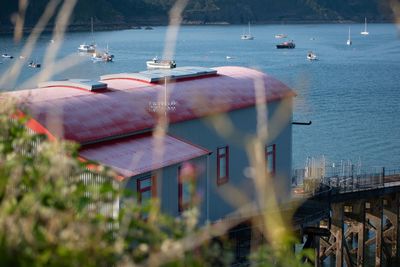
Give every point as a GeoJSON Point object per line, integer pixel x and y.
{"type": "Point", "coordinates": [365, 28]}
{"type": "Point", "coordinates": [249, 28]}
{"type": "Point", "coordinates": [349, 35]}
{"type": "Point", "coordinates": [91, 23]}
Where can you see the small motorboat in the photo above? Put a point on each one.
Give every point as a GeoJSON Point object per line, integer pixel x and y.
{"type": "Point", "coordinates": [280, 36]}
{"type": "Point", "coordinates": [311, 56]}
{"type": "Point", "coordinates": [160, 64]}
{"type": "Point", "coordinates": [87, 48]}
{"type": "Point", "coordinates": [7, 56]}
{"type": "Point", "coordinates": [148, 28]}
{"type": "Point", "coordinates": [34, 64]}
{"type": "Point", "coordinates": [287, 45]}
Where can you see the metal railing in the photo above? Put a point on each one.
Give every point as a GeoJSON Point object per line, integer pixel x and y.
{"type": "Point", "coordinates": [344, 181]}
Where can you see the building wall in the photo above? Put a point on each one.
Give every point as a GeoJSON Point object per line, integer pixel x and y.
{"type": "Point", "coordinates": [201, 132]}
{"type": "Point", "coordinates": [167, 186]}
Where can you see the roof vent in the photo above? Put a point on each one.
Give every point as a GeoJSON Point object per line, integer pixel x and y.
{"type": "Point", "coordinates": [158, 75]}
{"type": "Point", "coordinates": [75, 83]}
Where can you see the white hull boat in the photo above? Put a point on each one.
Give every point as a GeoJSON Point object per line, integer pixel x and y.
{"type": "Point", "coordinates": [160, 64]}
{"type": "Point", "coordinates": [280, 36]}
{"type": "Point", "coordinates": [84, 48]}
{"type": "Point", "coordinates": [7, 56]}
{"type": "Point", "coordinates": [88, 48]}
{"type": "Point", "coordinates": [365, 32]}
{"type": "Point", "coordinates": [311, 56]}
{"type": "Point", "coordinates": [349, 42]}
{"type": "Point", "coordinates": [247, 36]}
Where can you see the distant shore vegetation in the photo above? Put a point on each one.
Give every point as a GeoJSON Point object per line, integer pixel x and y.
{"type": "Point", "coordinates": [123, 14]}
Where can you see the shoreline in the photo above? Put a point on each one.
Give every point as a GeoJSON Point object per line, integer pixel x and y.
{"type": "Point", "coordinates": [135, 26]}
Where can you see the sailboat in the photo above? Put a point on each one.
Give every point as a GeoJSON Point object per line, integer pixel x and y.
{"type": "Point", "coordinates": [349, 42]}
{"type": "Point", "coordinates": [88, 48]}
{"type": "Point", "coordinates": [365, 32]}
{"type": "Point", "coordinates": [247, 36]}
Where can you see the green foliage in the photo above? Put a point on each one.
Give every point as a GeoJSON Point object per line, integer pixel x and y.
{"type": "Point", "coordinates": [265, 256]}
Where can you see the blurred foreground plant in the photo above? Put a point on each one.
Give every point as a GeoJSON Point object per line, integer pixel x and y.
{"type": "Point", "coordinates": [51, 216]}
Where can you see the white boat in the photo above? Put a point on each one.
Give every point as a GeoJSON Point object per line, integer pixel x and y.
{"type": "Point", "coordinates": [7, 56]}
{"type": "Point", "coordinates": [280, 36]}
{"type": "Point", "coordinates": [349, 42]}
{"type": "Point", "coordinates": [88, 48]}
{"type": "Point", "coordinates": [156, 63]}
{"type": "Point", "coordinates": [247, 36]}
{"type": "Point", "coordinates": [365, 32]}
{"type": "Point", "coordinates": [311, 56]}
{"type": "Point", "coordinates": [34, 64]}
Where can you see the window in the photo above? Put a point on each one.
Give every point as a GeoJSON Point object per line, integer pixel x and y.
{"type": "Point", "coordinates": [146, 188]}
{"type": "Point", "coordinates": [186, 186]}
{"type": "Point", "coordinates": [270, 158]}
{"type": "Point", "coordinates": [222, 165]}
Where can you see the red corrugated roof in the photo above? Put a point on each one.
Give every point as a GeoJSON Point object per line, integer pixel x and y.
{"type": "Point", "coordinates": [125, 108]}
{"type": "Point", "coordinates": [136, 155]}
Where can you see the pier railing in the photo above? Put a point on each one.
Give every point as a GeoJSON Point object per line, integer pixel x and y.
{"type": "Point", "coordinates": [314, 181]}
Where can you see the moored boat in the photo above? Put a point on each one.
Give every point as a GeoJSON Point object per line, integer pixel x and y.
{"type": "Point", "coordinates": [365, 31]}
{"type": "Point", "coordinates": [280, 36]}
{"type": "Point", "coordinates": [7, 56]}
{"type": "Point", "coordinates": [87, 48]}
{"type": "Point", "coordinates": [287, 45]}
{"type": "Point", "coordinates": [156, 63]}
{"type": "Point", "coordinates": [102, 56]}
{"type": "Point", "coordinates": [34, 64]}
{"type": "Point", "coordinates": [349, 42]}
{"type": "Point", "coordinates": [311, 56]}
{"type": "Point", "coordinates": [247, 36]}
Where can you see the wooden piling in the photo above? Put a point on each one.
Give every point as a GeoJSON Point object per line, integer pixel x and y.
{"type": "Point", "coordinates": [375, 215]}
{"type": "Point", "coordinates": [337, 231]}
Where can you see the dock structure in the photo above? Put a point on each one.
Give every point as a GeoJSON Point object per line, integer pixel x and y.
{"type": "Point", "coordinates": [363, 217]}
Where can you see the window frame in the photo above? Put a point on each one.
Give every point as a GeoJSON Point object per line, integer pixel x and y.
{"type": "Point", "coordinates": [152, 188]}
{"type": "Point", "coordinates": [267, 155]}
{"type": "Point", "coordinates": [225, 179]}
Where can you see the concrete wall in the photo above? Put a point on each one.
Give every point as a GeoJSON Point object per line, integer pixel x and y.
{"type": "Point", "coordinates": [244, 121]}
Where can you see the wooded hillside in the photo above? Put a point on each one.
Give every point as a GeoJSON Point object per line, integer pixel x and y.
{"type": "Point", "coordinates": [209, 11]}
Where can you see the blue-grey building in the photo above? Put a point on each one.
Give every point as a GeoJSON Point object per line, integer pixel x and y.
{"type": "Point", "coordinates": [180, 135]}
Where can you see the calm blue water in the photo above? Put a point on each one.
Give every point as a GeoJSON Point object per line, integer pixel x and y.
{"type": "Point", "coordinates": [351, 94]}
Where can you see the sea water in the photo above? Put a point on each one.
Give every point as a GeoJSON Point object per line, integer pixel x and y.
{"type": "Point", "coordinates": [351, 94]}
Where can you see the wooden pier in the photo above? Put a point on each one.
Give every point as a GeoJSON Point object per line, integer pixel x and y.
{"type": "Point", "coordinates": [363, 214]}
